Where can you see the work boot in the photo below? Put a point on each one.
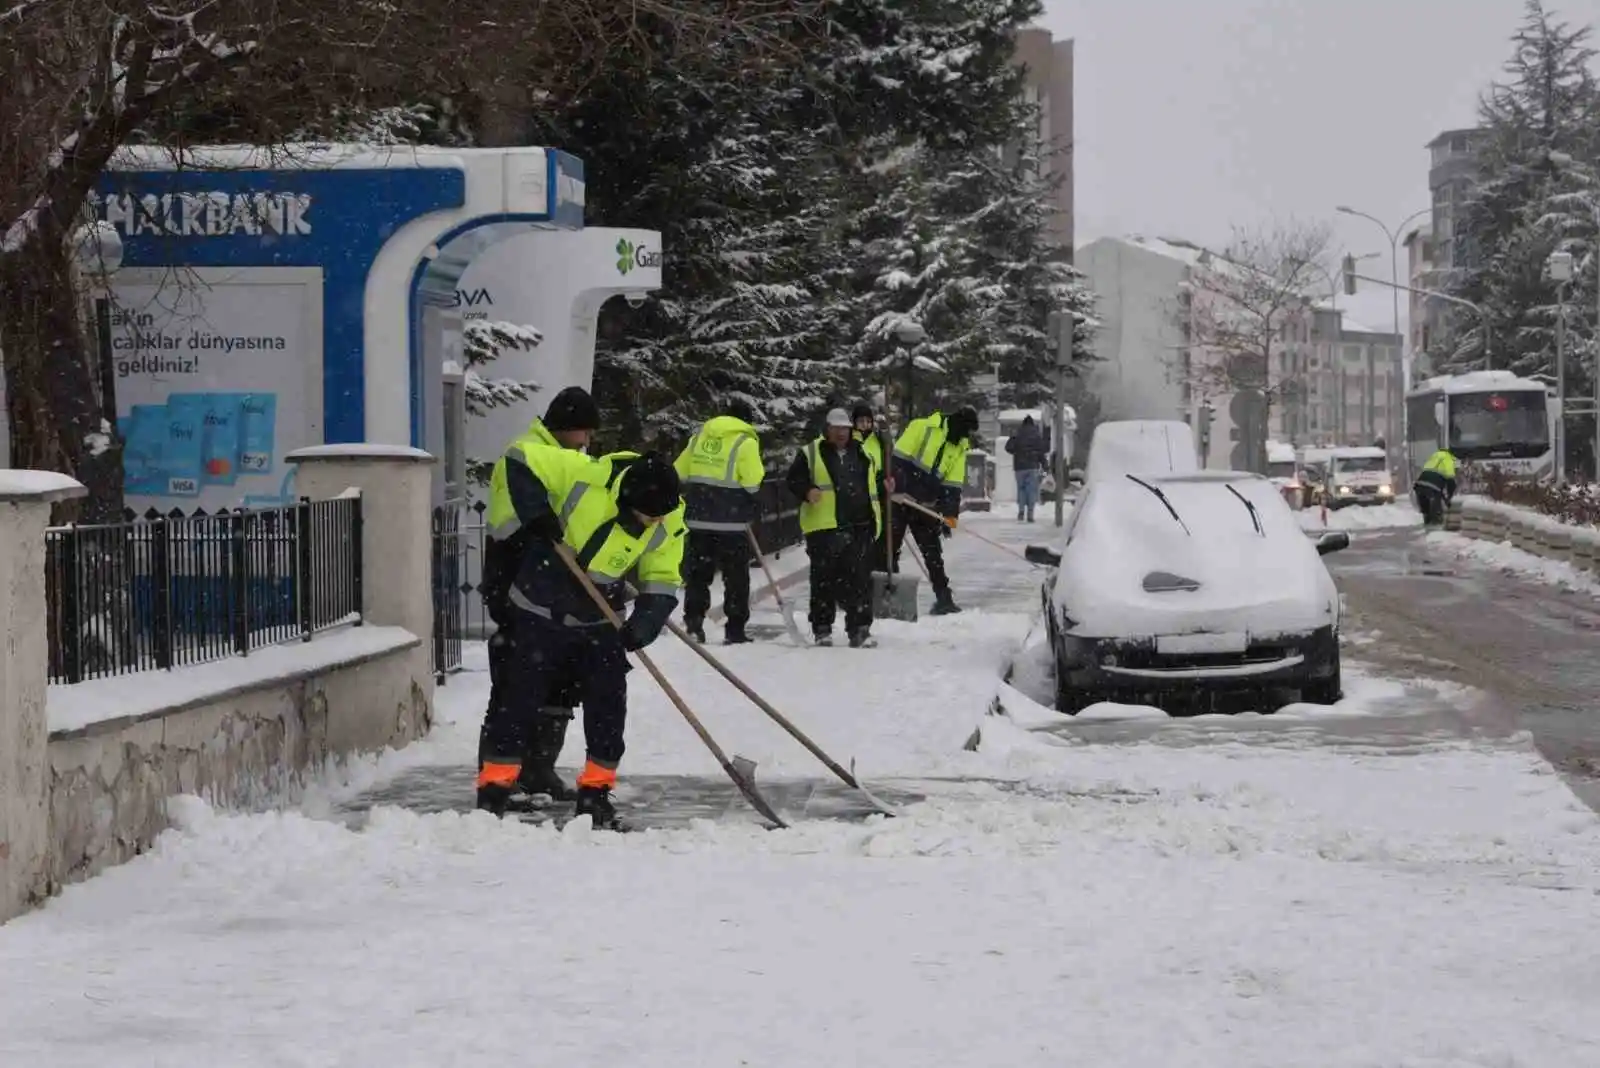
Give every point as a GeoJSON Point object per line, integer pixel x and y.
{"type": "Point", "coordinates": [696, 629]}
{"type": "Point", "coordinates": [944, 604]}
{"type": "Point", "coordinates": [823, 637]}
{"type": "Point", "coordinates": [861, 638]}
{"type": "Point", "coordinates": [494, 799]}
{"type": "Point", "coordinates": [595, 802]}
{"type": "Point", "coordinates": [539, 775]}
{"type": "Point", "coordinates": [733, 634]}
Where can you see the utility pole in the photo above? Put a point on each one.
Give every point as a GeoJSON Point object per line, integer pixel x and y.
{"type": "Point", "coordinates": [1061, 330]}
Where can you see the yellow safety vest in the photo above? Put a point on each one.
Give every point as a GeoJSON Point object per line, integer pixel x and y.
{"type": "Point", "coordinates": [872, 445]}
{"type": "Point", "coordinates": [1443, 461]}
{"type": "Point", "coordinates": [926, 445]}
{"type": "Point", "coordinates": [722, 471]}
{"type": "Point", "coordinates": [583, 494]}
{"type": "Point", "coordinates": [824, 514]}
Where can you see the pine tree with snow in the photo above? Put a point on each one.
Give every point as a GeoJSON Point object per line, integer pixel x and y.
{"type": "Point", "coordinates": [1539, 132]}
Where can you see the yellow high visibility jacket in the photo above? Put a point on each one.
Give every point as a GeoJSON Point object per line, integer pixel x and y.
{"type": "Point", "coordinates": [502, 553]}
{"type": "Point", "coordinates": [872, 445]}
{"type": "Point", "coordinates": [930, 467]}
{"type": "Point", "coordinates": [722, 471]}
{"type": "Point", "coordinates": [811, 470]}
{"type": "Point", "coordinates": [544, 486]}
{"type": "Point", "coordinates": [1438, 475]}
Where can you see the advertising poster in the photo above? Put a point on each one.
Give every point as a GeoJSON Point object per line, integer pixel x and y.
{"type": "Point", "coordinates": [217, 379]}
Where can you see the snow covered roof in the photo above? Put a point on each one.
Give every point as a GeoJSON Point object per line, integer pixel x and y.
{"type": "Point", "coordinates": [1185, 252]}
{"type": "Point", "coordinates": [1479, 382]}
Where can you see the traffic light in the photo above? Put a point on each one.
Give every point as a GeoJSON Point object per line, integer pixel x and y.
{"type": "Point", "coordinates": [1349, 267]}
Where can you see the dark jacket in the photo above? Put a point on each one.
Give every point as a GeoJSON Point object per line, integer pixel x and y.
{"type": "Point", "coordinates": [1027, 448]}
{"type": "Point", "coordinates": [852, 503]}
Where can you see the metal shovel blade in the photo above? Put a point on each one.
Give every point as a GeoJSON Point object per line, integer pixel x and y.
{"type": "Point", "coordinates": [744, 767]}
{"type": "Point", "coordinates": [789, 624]}
{"type": "Point", "coordinates": [895, 596]}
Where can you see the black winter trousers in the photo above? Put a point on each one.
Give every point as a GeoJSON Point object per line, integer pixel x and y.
{"type": "Point", "coordinates": [562, 699]}
{"type": "Point", "coordinates": [708, 552]}
{"type": "Point", "coordinates": [542, 660]}
{"type": "Point", "coordinates": [1431, 503]}
{"type": "Point", "coordinates": [929, 533]}
{"type": "Point", "coordinates": [841, 577]}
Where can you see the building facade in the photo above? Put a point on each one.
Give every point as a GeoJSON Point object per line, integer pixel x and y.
{"type": "Point", "coordinates": [1332, 381]}
{"type": "Point", "coordinates": [1047, 65]}
{"type": "Point", "coordinates": [1437, 249]}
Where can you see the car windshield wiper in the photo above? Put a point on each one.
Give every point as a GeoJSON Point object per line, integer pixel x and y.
{"type": "Point", "coordinates": [1255, 517]}
{"type": "Point", "coordinates": [1162, 497]}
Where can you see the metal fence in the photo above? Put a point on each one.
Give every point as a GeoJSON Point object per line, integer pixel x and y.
{"type": "Point", "coordinates": [165, 591]}
{"type": "Point", "coordinates": [459, 533]}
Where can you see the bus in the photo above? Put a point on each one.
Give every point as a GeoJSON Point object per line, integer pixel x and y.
{"type": "Point", "coordinates": [1496, 420]}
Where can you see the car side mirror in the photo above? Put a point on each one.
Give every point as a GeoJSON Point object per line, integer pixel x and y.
{"type": "Point", "coordinates": [1039, 554]}
{"type": "Point", "coordinates": [1332, 542]}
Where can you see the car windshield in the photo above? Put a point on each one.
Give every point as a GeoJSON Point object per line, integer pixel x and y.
{"type": "Point", "coordinates": [1281, 469]}
{"type": "Point", "coordinates": [1349, 465]}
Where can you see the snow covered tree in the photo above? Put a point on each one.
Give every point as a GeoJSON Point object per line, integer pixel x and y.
{"type": "Point", "coordinates": [1540, 137]}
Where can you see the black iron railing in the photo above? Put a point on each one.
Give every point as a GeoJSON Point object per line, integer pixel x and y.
{"type": "Point", "coordinates": [458, 543]}
{"type": "Point", "coordinates": [165, 591]}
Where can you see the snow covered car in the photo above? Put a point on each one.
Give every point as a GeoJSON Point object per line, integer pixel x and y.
{"type": "Point", "coordinates": [1136, 445]}
{"type": "Point", "coordinates": [1171, 589]}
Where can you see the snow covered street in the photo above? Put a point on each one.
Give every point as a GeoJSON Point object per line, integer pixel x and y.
{"type": "Point", "coordinates": [1388, 881]}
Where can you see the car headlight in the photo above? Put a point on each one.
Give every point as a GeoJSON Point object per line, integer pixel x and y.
{"type": "Point", "coordinates": [1386, 490]}
{"type": "Point", "coordinates": [1344, 491]}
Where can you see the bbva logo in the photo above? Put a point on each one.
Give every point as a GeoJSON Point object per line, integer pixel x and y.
{"type": "Point", "coordinates": [470, 298]}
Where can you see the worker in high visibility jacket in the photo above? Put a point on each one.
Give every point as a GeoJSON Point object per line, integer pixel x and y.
{"type": "Point", "coordinates": [1435, 487]}
{"type": "Point", "coordinates": [839, 485]}
{"type": "Point", "coordinates": [722, 470]}
{"type": "Point", "coordinates": [617, 515]}
{"type": "Point", "coordinates": [569, 423]}
{"type": "Point", "coordinates": [930, 467]}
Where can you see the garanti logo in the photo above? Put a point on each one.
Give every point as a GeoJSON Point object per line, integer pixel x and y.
{"type": "Point", "coordinates": [630, 256]}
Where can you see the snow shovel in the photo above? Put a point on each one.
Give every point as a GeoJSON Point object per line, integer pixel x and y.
{"type": "Point", "coordinates": [908, 502]}
{"type": "Point", "coordinates": [784, 606]}
{"type": "Point", "coordinates": [893, 596]}
{"type": "Point", "coordinates": [739, 772]}
{"type": "Point", "coordinates": [847, 777]}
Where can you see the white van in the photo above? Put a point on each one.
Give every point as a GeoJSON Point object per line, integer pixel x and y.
{"type": "Point", "coordinates": [1142, 447]}
{"type": "Point", "coordinates": [1356, 474]}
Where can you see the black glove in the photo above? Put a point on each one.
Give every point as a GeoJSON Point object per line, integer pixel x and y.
{"type": "Point", "coordinates": [631, 638]}
{"type": "Point", "coordinates": [946, 530]}
{"type": "Point", "coordinates": [547, 528]}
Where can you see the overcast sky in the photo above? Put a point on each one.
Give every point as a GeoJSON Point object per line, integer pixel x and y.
{"type": "Point", "coordinates": [1194, 115]}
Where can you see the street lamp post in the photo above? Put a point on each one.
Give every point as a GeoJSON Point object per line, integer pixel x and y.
{"type": "Point", "coordinates": [1406, 356]}
{"type": "Point", "coordinates": [1061, 329]}
{"type": "Point", "coordinates": [909, 332]}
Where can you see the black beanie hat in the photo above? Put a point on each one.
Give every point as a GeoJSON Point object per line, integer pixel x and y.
{"type": "Point", "coordinates": [649, 486]}
{"type": "Point", "coordinates": [862, 411]}
{"type": "Point", "coordinates": [572, 409]}
{"type": "Point", "coordinates": [964, 423]}
{"type": "Point", "coordinates": [741, 410]}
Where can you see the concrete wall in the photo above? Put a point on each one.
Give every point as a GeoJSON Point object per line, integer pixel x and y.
{"type": "Point", "coordinates": [1486, 520]}
{"type": "Point", "coordinates": [85, 770]}
{"type": "Point", "coordinates": [109, 781]}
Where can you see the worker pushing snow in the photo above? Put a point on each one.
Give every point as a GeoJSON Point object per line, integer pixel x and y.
{"type": "Point", "coordinates": [930, 467]}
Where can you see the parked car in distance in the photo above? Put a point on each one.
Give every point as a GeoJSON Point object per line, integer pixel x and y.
{"type": "Point", "coordinates": [1173, 589]}
{"type": "Point", "coordinates": [1141, 446]}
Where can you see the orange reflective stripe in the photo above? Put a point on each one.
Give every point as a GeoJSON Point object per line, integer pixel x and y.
{"type": "Point", "coordinates": [595, 775]}
{"type": "Point", "coordinates": [499, 775]}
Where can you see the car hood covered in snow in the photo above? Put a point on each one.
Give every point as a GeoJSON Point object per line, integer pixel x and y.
{"type": "Point", "coordinates": [1130, 569]}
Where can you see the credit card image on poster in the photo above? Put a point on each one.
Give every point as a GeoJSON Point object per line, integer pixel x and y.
{"type": "Point", "coordinates": [258, 432]}
{"type": "Point", "coordinates": [223, 438]}
{"type": "Point", "coordinates": [144, 443]}
{"type": "Point", "coordinates": [184, 457]}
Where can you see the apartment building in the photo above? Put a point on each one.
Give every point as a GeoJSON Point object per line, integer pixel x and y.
{"type": "Point", "coordinates": [1047, 65]}
{"type": "Point", "coordinates": [1350, 384]}
{"type": "Point", "coordinates": [1333, 380]}
{"type": "Point", "coordinates": [1434, 250]}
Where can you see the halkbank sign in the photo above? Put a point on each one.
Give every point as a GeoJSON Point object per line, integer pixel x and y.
{"type": "Point", "coordinates": [630, 256]}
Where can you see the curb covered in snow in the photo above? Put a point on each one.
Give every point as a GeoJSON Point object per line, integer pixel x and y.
{"type": "Point", "coordinates": [1486, 520]}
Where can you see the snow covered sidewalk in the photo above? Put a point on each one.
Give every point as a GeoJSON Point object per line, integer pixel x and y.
{"type": "Point", "coordinates": [1256, 900]}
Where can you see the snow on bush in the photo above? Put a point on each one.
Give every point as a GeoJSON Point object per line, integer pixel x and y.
{"type": "Point", "coordinates": [1577, 503]}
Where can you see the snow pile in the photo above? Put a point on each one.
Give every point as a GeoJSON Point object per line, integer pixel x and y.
{"type": "Point", "coordinates": [1362, 517]}
{"type": "Point", "coordinates": [1505, 557]}
{"type": "Point", "coordinates": [1178, 893]}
